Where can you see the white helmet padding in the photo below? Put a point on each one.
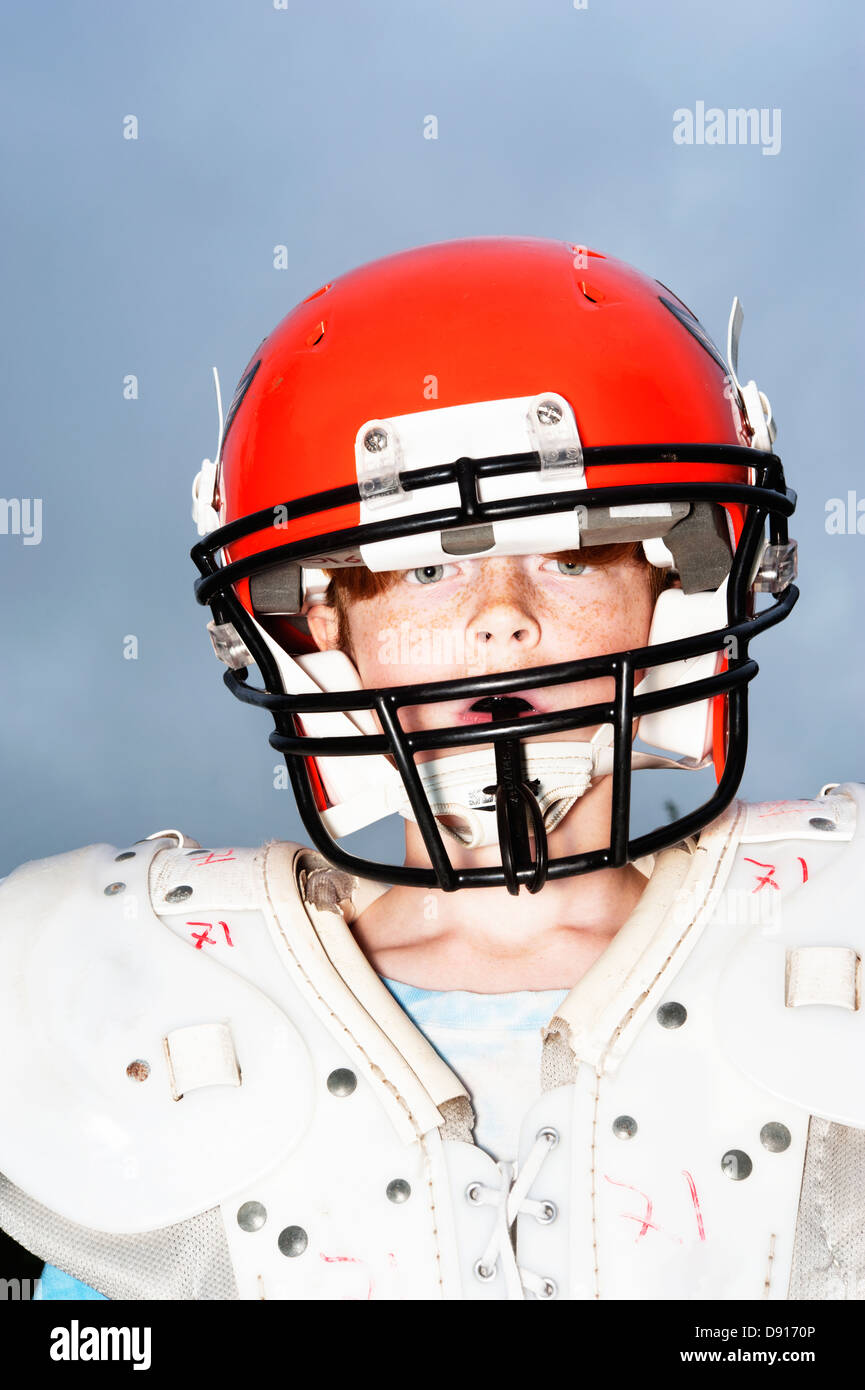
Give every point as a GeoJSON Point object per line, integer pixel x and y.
{"type": "Point", "coordinates": [687, 730]}
{"type": "Point", "coordinates": [366, 789]}
{"type": "Point", "coordinates": [559, 773]}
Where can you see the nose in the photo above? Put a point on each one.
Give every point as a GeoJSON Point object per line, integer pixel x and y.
{"type": "Point", "coordinates": [502, 620]}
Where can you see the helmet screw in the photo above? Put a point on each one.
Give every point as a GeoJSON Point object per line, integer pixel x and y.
{"type": "Point", "coordinates": [549, 412]}
{"type": "Point", "coordinates": [374, 441]}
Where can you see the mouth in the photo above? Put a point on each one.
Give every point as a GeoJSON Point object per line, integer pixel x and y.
{"type": "Point", "coordinates": [494, 707]}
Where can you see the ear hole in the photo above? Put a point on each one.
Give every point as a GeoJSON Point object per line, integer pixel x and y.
{"type": "Point", "coordinates": [291, 634]}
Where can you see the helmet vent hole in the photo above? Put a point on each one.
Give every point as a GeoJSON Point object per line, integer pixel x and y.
{"type": "Point", "coordinates": [315, 294]}
{"type": "Point", "coordinates": [317, 334]}
{"type": "Point", "coordinates": [591, 292]}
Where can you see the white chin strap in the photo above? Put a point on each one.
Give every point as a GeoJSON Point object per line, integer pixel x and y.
{"type": "Point", "coordinates": [558, 773]}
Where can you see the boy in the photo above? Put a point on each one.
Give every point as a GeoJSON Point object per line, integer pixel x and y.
{"type": "Point", "coordinates": [487, 512]}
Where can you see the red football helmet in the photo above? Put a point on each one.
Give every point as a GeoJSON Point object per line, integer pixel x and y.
{"type": "Point", "coordinates": [494, 396]}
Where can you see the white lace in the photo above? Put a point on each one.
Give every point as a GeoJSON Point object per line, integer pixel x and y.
{"type": "Point", "coordinates": [511, 1200]}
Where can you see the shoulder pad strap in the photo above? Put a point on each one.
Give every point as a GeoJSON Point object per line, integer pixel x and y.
{"type": "Point", "coordinates": [834, 814]}
{"type": "Point", "coordinates": [198, 880]}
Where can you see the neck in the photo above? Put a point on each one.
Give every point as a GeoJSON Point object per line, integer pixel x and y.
{"type": "Point", "coordinates": [486, 939]}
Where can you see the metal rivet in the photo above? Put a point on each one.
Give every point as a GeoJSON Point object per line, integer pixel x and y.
{"type": "Point", "coordinates": [820, 823]}
{"type": "Point", "coordinates": [113, 888]}
{"type": "Point", "coordinates": [179, 894]}
{"type": "Point", "coordinates": [775, 1137]}
{"type": "Point", "coordinates": [293, 1241]}
{"type": "Point", "coordinates": [473, 1192]}
{"type": "Point", "coordinates": [374, 441]}
{"type": "Point", "coordinates": [736, 1165]}
{"type": "Point", "coordinates": [138, 1070]}
{"type": "Point", "coordinates": [671, 1015]}
{"type": "Point", "coordinates": [127, 854]}
{"type": "Point", "coordinates": [548, 1213]}
{"type": "Point", "coordinates": [550, 1290]}
{"type": "Point", "coordinates": [251, 1216]}
{"type": "Point", "coordinates": [398, 1190]}
{"type": "Point", "coordinates": [549, 412]}
{"type": "Point", "coordinates": [341, 1082]}
{"type": "Point", "coordinates": [484, 1274]}
{"type": "Point", "coordinates": [550, 1134]}
{"type": "Point", "coordinates": [624, 1126]}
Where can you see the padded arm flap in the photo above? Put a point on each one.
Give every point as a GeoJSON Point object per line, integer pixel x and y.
{"type": "Point", "coordinates": [141, 1082]}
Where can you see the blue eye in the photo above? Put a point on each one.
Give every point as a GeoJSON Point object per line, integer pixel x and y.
{"type": "Point", "coordinates": [564, 567]}
{"type": "Point", "coordinates": [428, 574]}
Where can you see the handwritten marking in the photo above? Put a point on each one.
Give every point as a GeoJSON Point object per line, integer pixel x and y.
{"type": "Point", "coordinates": [201, 937]}
{"type": "Point", "coordinates": [646, 1222]}
{"type": "Point", "coordinates": [767, 879]}
{"type": "Point", "coordinates": [695, 1199]}
{"type": "Point", "coordinates": [227, 856]}
{"type": "Point", "coordinates": [352, 1260]}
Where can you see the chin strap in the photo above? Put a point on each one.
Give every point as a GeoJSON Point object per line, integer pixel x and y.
{"type": "Point", "coordinates": [462, 789]}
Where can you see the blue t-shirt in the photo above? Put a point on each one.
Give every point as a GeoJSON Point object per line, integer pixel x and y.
{"type": "Point", "coordinates": [56, 1284]}
{"type": "Point", "coordinates": [493, 1044]}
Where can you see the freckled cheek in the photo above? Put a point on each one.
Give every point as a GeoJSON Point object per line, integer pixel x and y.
{"type": "Point", "coordinates": [614, 622]}
{"type": "Point", "coordinates": [364, 629]}
{"type": "Point", "coordinates": [396, 644]}
{"type": "Point", "coordinates": [399, 643]}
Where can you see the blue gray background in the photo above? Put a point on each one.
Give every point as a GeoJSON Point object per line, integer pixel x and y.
{"type": "Point", "coordinates": [304, 126]}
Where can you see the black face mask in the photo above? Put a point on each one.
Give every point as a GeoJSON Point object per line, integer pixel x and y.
{"type": "Point", "coordinates": [524, 852]}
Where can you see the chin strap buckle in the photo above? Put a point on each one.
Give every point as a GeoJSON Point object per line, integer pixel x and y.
{"type": "Point", "coordinates": [516, 806]}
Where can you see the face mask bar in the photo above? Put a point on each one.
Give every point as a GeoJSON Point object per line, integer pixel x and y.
{"type": "Point", "coordinates": [514, 801]}
{"type": "Point", "coordinates": [769, 492]}
{"type": "Point", "coordinates": [767, 498]}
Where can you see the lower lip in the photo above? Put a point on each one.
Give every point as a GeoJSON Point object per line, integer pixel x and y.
{"type": "Point", "coordinates": [477, 716]}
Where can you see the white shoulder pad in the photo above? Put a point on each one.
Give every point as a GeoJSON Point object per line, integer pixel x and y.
{"type": "Point", "coordinates": [789, 1006]}
{"type": "Point", "coordinates": [142, 1077]}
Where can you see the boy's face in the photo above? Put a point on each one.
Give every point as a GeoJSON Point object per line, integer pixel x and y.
{"type": "Point", "coordinates": [504, 613]}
